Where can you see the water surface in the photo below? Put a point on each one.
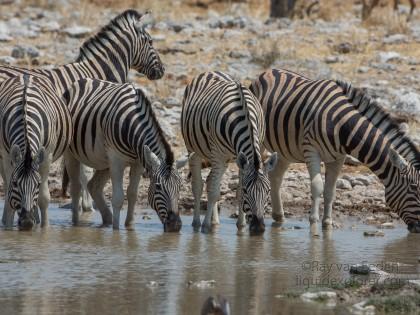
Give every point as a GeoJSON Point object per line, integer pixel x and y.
{"type": "Point", "coordinates": [87, 269]}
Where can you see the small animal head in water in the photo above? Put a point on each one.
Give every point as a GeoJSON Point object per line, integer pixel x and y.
{"type": "Point", "coordinates": [23, 190]}
{"type": "Point", "coordinates": [164, 187]}
{"type": "Point", "coordinates": [255, 190]}
{"type": "Point", "coordinates": [216, 306]}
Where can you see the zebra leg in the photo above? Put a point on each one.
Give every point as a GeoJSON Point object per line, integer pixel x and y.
{"type": "Point", "coordinates": [213, 193]}
{"type": "Point", "coordinates": [86, 198]}
{"type": "Point", "coordinates": [313, 162]}
{"type": "Point", "coordinates": [332, 170]}
{"type": "Point", "coordinates": [135, 174]}
{"type": "Point", "coordinates": [197, 187]}
{"type": "Point", "coordinates": [73, 169]}
{"type": "Point", "coordinates": [8, 212]}
{"type": "Point", "coordinates": [276, 178]}
{"type": "Point", "coordinates": [241, 222]}
{"type": "Point", "coordinates": [117, 174]}
{"type": "Point", "coordinates": [96, 189]}
{"type": "Point", "coordinates": [44, 192]}
{"type": "Point", "coordinates": [3, 176]}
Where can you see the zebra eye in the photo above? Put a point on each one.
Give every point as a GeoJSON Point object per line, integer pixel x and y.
{"type": "Point", "coordinates": [158, 185]}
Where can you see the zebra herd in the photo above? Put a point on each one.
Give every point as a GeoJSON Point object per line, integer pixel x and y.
{"type": "Point", "coordinates": [86, 112]}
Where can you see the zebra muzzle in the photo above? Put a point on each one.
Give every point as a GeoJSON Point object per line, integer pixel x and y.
{"type": "Point", "coordinates": [414, 227]}
{"type": "Point", "coordinates": [173, 223]}
{"type": "Point", "coordinates": [257, 225]}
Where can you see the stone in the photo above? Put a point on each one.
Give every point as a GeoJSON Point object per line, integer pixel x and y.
{"type": "Point", "coordinates": [343, 184]}
{"type": "Point", "coordinates": [50, 26]}
{"type": "Point", "coordinates": [8, 60]}
{"type": "Point", "coordinates": [77, 31]}
{"type": "Point", "coordinates": [362, 308]}
{"type": "Point", "coordinates": [386, 56]}
{"type": "Point", "coordinates": [387, 225]}
{"type": "Point", "coordinates": [344, 48]}
{"type": "Point", "coordinates": [20, 52]}
{"type": "Point", "coordinates": [202, 284]}
{"type": "Point", "coordinates": [319, 296]}
{"type": "Point", "coordinates": [395, 39]}
{"type": "Point", "coordinates": [373, 233]}
{"type": "Point", "coordinates": [408, 101]}
{"type": "Point", "coordinates": [362, 69]}
{"type": "Point", "coordinates": [331, 59]}
{"type": "Point", "coordinates": [415, 282]}
{"type": "Point", "coordinates": [171, 102]}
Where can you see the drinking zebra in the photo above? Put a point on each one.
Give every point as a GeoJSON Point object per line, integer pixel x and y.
{"type": "Point", "coordinates": [222, 120]}
{"type": "Point", "coordinates": [321, 120]}
{"type": "Point", "coordinates": [114, 126]}
{"type": "Point", "coordinates": [35, 129]}
{"type": "Point", "coordinates": [121, 45]}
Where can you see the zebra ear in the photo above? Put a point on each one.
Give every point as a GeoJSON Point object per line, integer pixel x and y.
{"type": "Point", "coordinates": [145, 19]}
{"type": "Point", "coordinates": [271, 162]}
{"type": "Point", "coordinates": [15, 154]}
{"type": "Point", "coordinates": [397, 160]}
{"type": "Point", "coordinates": [40, 156]}
{"type": "Point", "coordinates": [151, 160]}
{"type": "Point", "coordinates": [242, 161]}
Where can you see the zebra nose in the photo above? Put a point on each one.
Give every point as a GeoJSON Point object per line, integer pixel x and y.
{"type": "Point", "coordinates": [173, 223]}
{"type": "Point", "coordinates": [25, 221]}
{"type": "Point", "coordinates": [156, 72]}
{"type": "Point", "coordinates": [257, 225]}
{"type": "Point", "coordinates": [414, 227]}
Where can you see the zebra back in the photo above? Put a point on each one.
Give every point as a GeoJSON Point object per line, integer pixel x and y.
{"type": "Point", "coordinates": [384, 121]}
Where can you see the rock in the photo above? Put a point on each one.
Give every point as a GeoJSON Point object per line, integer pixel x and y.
{"type": "Point", "coordinates": [384, 66]}
{"type": "Point", "coordinates": [362, 69]}
{"type": "Point", "coordinates": [8, 60]}
{"type": "Point", "coordinates": [373, 233]}
{"type": "Point", "coordinates": [172, 102]}
{"type": "Point", "coordinates": [331, 59]}
{"type": "Point", "coordinates": [395, 39]}
{"type": "Point", "coordinates": [320, 296]}
{"type": "Point", "coordinates": [387, 225]}
{"type": "Point", "coordinates": [203, 284]}
{"type": "Point", "coordinates": [77, 31]}
{"type": "Point", "coordinates": [365, 269]}
{"type": "Point", "coordinates": [415, 282]}
{"type": "Point", "coordinates": [20, 52]}
{"type": "Point", "coordinates": [343, 184]}
{"type": "Point", "coordinates": [228, 22]}
{"type": "Point", "coordinates": [50, 26]}
{"type": "Point", "coordinates": [146, 217]}
{"type": "Point", "coordinates": [408, 102]}
{"type": "Point", "coordinates": [362, 309]}
{"type": "Point", "coordinates": [237, 54]}
{"type": "Point", "coordinates": [386, 56]}
{"type": "Point", "coordinates": [344, 48]}
{"type": "Point", "coordinates": [4, 32]}
{"type": "Point", "coordinates": [154, 284]}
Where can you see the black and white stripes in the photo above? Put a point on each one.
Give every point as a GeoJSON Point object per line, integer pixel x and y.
{"type": "Point", "coordinates": [222, 120]}
{"type": "Point", "coordinates": [114, 126]}
{"type": "Point", "coordinates": [320, 120]}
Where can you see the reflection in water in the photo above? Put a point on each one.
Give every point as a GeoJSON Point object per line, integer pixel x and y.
{"type": "Point", "coordinates": [97, 270]}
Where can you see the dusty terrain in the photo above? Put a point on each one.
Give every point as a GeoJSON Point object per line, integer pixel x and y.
{"type": "Point", "coordinates": [381, 55]}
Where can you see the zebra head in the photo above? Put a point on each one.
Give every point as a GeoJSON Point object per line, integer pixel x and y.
{"type": "Point", "coordinates": [146, 58]}
{"type": "Point", "coordinates": [255, 190]}
{"type": "Point", "coordinates": [164, 187]}
{"type": "Point", "coordinates": [404, 195]}
{"type": "Point", "coordinates": [24, 185]}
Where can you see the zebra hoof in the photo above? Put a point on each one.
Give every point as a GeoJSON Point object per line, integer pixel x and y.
{"type": "Point", "coordinates": [313, 219]}
{"type": "Point", "coordinates": [206, 229]}
{"type": "Point", "coordinates": [327, 224]}
{"type": "Point", "coordinates": [279, 218]}
{"type": "Point", "coordinates": [196, 224]}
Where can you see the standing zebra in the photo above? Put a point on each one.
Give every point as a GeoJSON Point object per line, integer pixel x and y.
{"type": "Point", "coordinates": [222, 120]}
{"type": "Point", "coordinates": [121, 45]}
{"type": "Point", "coordinates": [114, 126]}
{"type": "Point", "coordinates": [321, 120]}
{"type": "Point", "coordinates": [35, 129]}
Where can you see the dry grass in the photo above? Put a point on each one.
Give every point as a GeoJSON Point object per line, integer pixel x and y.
{"type": "Point", "coordinates": [386, 18]}
{"type": "Point", "coordinates": [266, 54]}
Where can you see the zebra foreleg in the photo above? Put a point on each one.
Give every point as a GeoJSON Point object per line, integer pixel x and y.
{"type": "Point", "coordinates": [8, 212]}
{"type": "Point", "coordinates": [117, 173]}
{"type": "Point", "coordinates": [73, 169]}
{"type": "Point", "coordinates": [276, 178]}
{"type": "Point", "coordinates": [96, 189]}
{"type": "Point", "coordinates": [313, 162]}
{"type": "Point", "coordinates": [44, 192]}
{"type": "Point", "coordinates": [197, 187]}
{"type": "Point", "coordinates": [135, 173]}
{"type": "Point", "coordinates": [241, 222]}
{"type": "Point", "coordinates": [213, 195]}
{"type": "Point", "coordinates": [332, 170]}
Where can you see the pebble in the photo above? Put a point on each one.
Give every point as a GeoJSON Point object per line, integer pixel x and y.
{"type": "Point", "coordinates": [20, 52]}
{"type": "Point", "coordinates": [415, 282]}
{"type": "Point", "coordinates": [202, 284]}
{"type": "Point", "coordinates": [395, 39]}
{"type": "Point", "coordinates": [387, 225]}
{"type": "Point", "coordinates": [77, 31]}
{"type": "Point", "coordinates": [362, 309]}
{"type": "Point", "coordinates": [343, 184]}
{"type": "Point", "coordinates": [362, 70]}
{"type": "Point", "coordinates": [344, 48]}
{"type": "Point", "coordinates": [387, 56]}
{"type": "Point", "coordinates": [332, 59]}
{"type": "Point", "coordinates": [373, 233]}
{"type": "Point", "coordinates": [364, 269]}
{"type": "Point", "coordinates": [319, 296]}
{"type": "Point", "coordinates": [146, 217]}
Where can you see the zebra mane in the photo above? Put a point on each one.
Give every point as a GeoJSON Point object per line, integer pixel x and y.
{"type": "Point", "coordinates": [28, 156]}
{"type": "Point", "coordinates": [102, 33]}
{"type": "Point", "coordinates": [168, 151]}
{"type": "Point", "coordinates": [384, 121]}
{"type": "Point", "coordinates": [248, 118]}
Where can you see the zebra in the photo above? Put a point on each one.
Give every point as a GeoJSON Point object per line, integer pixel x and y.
{"type": "Point", "coordinates": [35, 130]}
{"type": "Point", "coordinates": [221, 120]}
{"type": "Point", "coordinates": [323, 120]}
{"type": "Point", "coordinates": [115, 126]}
{"type": "Point", "coordinates": [121, 45]}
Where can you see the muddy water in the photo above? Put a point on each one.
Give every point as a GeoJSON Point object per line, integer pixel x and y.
{"type": "Point", "coordinates": [87, 269]}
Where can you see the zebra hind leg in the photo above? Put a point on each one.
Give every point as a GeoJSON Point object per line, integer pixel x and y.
{"type": "Point", "coordinates": [96, 189]}
{"type": "Point", "coordinates": [135, 174]}
{"type": "Point", "coordinates": [313, 162]}
{"type": "Point", "coordinates": [197, 187]}
{"type": "Point", "coordinates": [117, 174]}
{"type": "Point", "coordinates": [276, 178]}
{"type": "Point", "coordinates": [332, 170]}
{"type": "Point", "coordinates": [241, 222]}
{"type": "Point", "coordinates": [44, 192]}
{"type": "Point", "coordinates": [213, 194]}
{"type": "Point", "coordinates": [87, 205]}
{"type": "Point", "coordinates": [73, 169]}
